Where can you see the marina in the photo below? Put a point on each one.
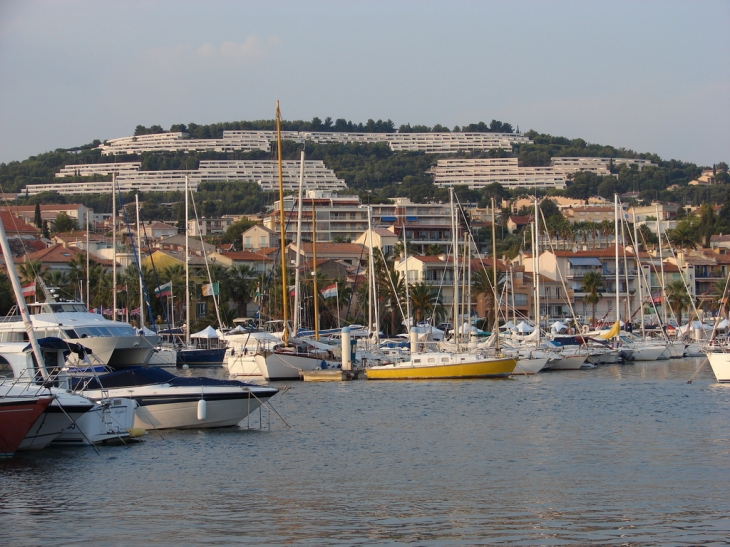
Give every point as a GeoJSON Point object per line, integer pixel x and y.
{"type": "Point", "coordinates": [619, 454]}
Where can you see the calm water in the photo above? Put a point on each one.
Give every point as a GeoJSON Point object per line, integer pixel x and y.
{"type": "Point", "coordinates": [618, 455]}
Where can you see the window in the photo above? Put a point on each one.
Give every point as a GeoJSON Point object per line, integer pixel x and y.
{"type": "Point", "coordinates": [200, 309]}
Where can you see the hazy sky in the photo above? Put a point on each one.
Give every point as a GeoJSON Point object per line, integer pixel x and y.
{"type": "Point", "coordinates": [652, 76]}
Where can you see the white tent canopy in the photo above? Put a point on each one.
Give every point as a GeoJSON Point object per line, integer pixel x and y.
{"type": "Point", "coordinates": [558, 327]}
{"type": "Point", "coordinates": [524, 327]}
{"type": "Point", "coordinates": [208, 332]}
{"type": "Point", "coordinates": [723, 324]}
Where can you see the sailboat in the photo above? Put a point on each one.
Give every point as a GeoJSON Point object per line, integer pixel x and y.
{"type": "Point", "coordinates": [208, 350]}
{"type": "Point", "coordinates": [286, 361]}
{"type": "Point", "coordinates": [452, 364]}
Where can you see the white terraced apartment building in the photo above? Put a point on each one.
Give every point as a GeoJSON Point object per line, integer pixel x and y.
{"type": "Point", "coordinates": [590, 164]}
{"type": "Point", "coordinates": [434, 143]}
{"type": "Point", "coordinates": [90, 169]}
{"type": "Point", "coordinates": [478, 173]}
{"type": "Point", "coordinates": [264, 172]}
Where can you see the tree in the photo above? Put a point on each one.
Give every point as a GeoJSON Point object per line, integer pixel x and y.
{"type": "Point", "coordinates": [593, 285]}
{"type": "Point", "coordinates": [684, 236]}
{"type": "Point", "coordinates": [678, 297]}
{"type": "Point", "coordinates": [234, 231]}
{"type": "Point", "coordinates": [38, 220]}
{"type": "Point", "coordinates": [64, 223]}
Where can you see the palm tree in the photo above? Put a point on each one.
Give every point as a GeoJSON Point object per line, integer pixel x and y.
{"type": "Point", "coordinates": [678, 297]}
{"type": "Point", "coordinates": [238, 285]}
{"type": "Point", "coordinates": [481, 285]}
{"type": "Point", "coordinates": [593, 285]}
{"type": "Point", "coordinates": [422, 300]}
{"type": "Point", "coordinates": [60, 280]}
{"type": "Point", "coordinates": [28, 271]}
{"type": "Point", "coordinates": [683, 236]}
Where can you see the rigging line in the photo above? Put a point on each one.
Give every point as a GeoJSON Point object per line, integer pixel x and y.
{"type": "Point", "coordinates": [157, 278]}
{"type": "Point", "coordinates": [17, 231]}
{"type": "Point", "coordinates": [207, 266]}
{"type": "Point", "coordinates": [392, 285]}
{"type": "Point", "coordinates": [135, 256]}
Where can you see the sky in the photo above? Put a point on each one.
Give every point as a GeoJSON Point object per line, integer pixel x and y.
{"type": "Point", "coordinates": [650, 76]}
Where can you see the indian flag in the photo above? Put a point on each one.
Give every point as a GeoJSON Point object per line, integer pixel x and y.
{"type": "Point", "coordinates": [329, 292]}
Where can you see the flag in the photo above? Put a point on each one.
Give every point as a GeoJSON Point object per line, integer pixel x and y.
{"type": "Point", "coordinates": [258, 292]}
{"type": "Point", "coordinates": [292, 290]}
{"type": "Point", "coordinates": [329, 292]}
{"type": "Point", "coordinates": [121, 288]}
{"type": "Point", "coordinates": [29, 289]}
{"type": "Point", "coordinates": [615, 330]}
{"type": "Point", "coordinates": [164, 290]}
{"type": "Point", "coordinates": [210, 289]}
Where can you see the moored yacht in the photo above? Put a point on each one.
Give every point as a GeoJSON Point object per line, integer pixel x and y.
{"type": "Point", "coordinates": [720, 363]}
{"type": "Point", "coordinates": [112, 343]}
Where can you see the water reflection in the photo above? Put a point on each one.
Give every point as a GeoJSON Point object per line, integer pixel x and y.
{"type": "Point", "coordinates": [616, 455]}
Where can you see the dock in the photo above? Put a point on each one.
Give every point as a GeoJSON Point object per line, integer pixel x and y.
{"type": "Point", "coordinates": [332, 375]}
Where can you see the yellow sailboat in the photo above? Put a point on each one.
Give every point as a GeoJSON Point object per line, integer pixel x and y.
{"type": "Point", "coordinates": [440, 365]}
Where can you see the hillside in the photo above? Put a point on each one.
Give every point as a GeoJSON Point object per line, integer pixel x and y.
{"type": "Point", "coordinates": [373, 171]}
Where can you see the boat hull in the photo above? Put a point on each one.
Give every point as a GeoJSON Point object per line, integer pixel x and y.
{"type": "Point", "coordinates": [568, 363]}
{"type": "Point", "coordinates": [287, 366]}
{"type": "Point", "coordinates": [650, 353]}
{"type": "Point", "coordinates": [530, 366]}
{"type": "Point", "coordinates": [720, 363]}
{"type": "Point", "coordinates": [17, 416]}
{"type": "Point", "coordinates": [486, 368]}
{"type": "Point", "coordinates": [165, 407]}
{"type": "Point", "coordinates": [201, 357]}
{"type": "Point", "coordinates": [119, 351]}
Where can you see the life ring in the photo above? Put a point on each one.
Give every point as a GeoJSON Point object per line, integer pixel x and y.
{"type": "Point", "coordinates": [585, 329]}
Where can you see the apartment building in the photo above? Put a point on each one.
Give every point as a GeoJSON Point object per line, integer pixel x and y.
{"type": "Point", "coordinates": [91, 169]}
{"type": "Point", "coordinates": [481, 172]}
{"type": "Point", "coordinates": [209, 226]}
{"type": "Point", "coordinates": [242, 140]}
{"type": "Point", "coordinates": [338, 217]}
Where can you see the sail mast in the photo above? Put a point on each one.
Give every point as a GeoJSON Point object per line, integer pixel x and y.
{"type": "Point", "coordinates": [139, 261]}
{"type": "Point", "coordinates": [640, 275]}
{"type": "Point", "coordinates": [315, 294]}
{"type": "Point", "coordinates": [455, 260]}
{"type": "Point", "coordinates": [296, 312]}
{"type": "Point", "coordinates": [114, 247]}
{"type": "Point", "coordinates": [494, 283]}
{"type": "Point", "coordinates": [615, 239]}
{"type": "Point", "coordinates": [15, 282]}
{"type": "Point", "coordinates": [187, 269]}
{"type": "Point", "coordinates": [282, 226]}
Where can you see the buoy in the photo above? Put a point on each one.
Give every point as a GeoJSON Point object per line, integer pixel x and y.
{"type": "Point", "coordinates": [137, 431]}
{"type": "Point", "coordinates": [185, 367]}
{"type": "Point", "coordinates": [202, 409]}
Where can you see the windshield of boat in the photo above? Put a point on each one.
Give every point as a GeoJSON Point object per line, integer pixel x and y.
{"type": "Point", "coordinates": [58, 307]}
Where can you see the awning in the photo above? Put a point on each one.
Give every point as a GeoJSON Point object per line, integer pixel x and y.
{"type": "Point", "coordinates": [584, 261]}
{"type": "Point", "coordinates": [388, 219]}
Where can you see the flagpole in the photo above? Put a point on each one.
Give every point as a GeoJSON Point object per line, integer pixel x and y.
{"type": "Point", "coordinates": [337, 296]}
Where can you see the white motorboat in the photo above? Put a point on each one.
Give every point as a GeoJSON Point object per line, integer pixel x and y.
{"type": "Point", "coordinates": [70, 419]}
{"type": "Point", "coordinates": [112, 343]}
{"type": "Point", "coordinates": [242, 349]}
{"type": "Point", "coordinates": [287, 363]}
{"type": "Point", "coordinates": [167, 401]}
{"type": "Point", "coordinates": [720, 363]}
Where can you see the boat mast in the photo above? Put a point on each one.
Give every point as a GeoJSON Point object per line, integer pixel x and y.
{"type": "Point", "coordinates": [494, 283]}
{"type": "Point", "coordinates": [315, 294]}
{"type": "Point", "coordinates": [296, 312]}
{"type": "Point", "coordinates": [187, 269]}
{"type": "Point", "coordinates": [282, 227]}
{"type": "Point", "coordinates": [372, 294]}
{"type": "Point", "coordinates": [114, 247]}
{"type": "Point", "coordinates": [88, 276]}
{"type": "Point", "coordinates": [640, 274]}
{"type": "Point", "coordinates": [139, 261]}
{"type": "Point", "coordinates": [408, 296]}
{"type": "Point", "coordinates": [615, 239]}
{"type": "Point", "coordinates": [20, 299]}
{"type": "Point", "coordinates": [661, 264]}
{"type": "Point", "coordinates": [455, 260]}
{"type": "Point", "coordinates": [536, 264]}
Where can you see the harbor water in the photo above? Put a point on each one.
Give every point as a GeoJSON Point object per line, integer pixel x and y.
{"type": "Point", "coordinates": [618, 455]}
